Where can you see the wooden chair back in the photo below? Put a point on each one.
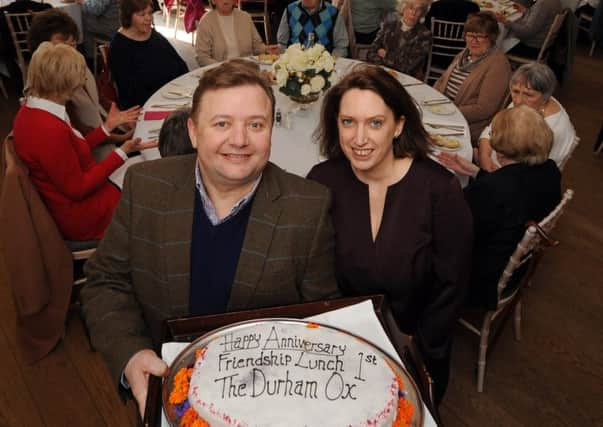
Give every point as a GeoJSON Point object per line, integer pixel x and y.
{"type": "Point", "coordinates": [448, 41]}
{"type": "Point", "coordinates": [258, 9]}
{"type": "Point", "coordinates": [18, 25]}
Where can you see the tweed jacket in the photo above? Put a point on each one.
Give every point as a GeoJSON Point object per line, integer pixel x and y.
{"type": "Point", "coordinates": [210, 46]}
{"type": "Point", "coordinates": [406, 51]}
{"type": "Point", "coordinates": [140, 274]}
{"type": "Point", "coordinates": [482, 93]}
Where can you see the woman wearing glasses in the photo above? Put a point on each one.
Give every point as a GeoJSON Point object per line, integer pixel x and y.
{"type": "Point", "coordinates": [476, 80]}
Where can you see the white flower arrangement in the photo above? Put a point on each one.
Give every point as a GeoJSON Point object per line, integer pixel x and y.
{"type": "Point", "coordinates": [303, 72]}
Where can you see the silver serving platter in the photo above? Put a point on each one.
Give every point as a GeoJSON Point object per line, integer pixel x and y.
{"type": "Point", "coordinates": [186, 358]}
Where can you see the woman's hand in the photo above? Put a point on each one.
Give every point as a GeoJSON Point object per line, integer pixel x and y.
{"type": "Point", "coordinates": [458, 164]}
{"type": "Point", "coordinates": [381, 52]}
{"type": "Point", "coordinates": [273, 49]}
{"type": "Point", "coordinates": [136, 144]}
{"type": "Point", "coordinates": [115, 117]}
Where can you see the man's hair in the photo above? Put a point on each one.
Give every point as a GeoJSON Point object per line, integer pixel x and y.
{"type": "Point", "coordinates": [413, 141]}
{"type": "Point", "coordinates": [521, 134]}
{"type": "Point", "coordinates": [55, 71]}
{"type": "Point", "coordinates": [228, 75]}
{"type": "Point", "coordinates": [127, 8]}
{"type": "Point", "coordinates": [173, 136]}
{"type": "Point", "coordinates": [483, 22]}
{"type": "Point", "coordinates": [48, 23]}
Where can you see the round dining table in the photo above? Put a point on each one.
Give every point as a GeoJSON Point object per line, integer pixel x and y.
{"type": "Point", "coordinates": [293, 147]}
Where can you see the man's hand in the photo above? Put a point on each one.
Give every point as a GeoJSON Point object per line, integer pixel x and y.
{"type": "Point", "coordinates": [381, 52]}
{"type": "Point", "coordinates": [137, 372]}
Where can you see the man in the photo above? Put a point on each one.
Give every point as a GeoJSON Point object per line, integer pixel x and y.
{"type": "Point", "coordinates": [367, 17]}
{"type": "Point", "coordinates": [317, 17]}
{"type": "Point", "coordinates": [215, 231]}
{"type": "Point", "coordinates": [450, 10]}
{"type": "Point", "coordinates": [100, 19]}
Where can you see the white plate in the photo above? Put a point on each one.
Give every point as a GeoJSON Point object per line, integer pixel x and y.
{"type": "Point", "coordinates": [442, 109]}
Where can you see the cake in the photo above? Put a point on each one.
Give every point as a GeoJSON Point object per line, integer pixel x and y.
{"type": "Point", "coordinates": [293, 374]}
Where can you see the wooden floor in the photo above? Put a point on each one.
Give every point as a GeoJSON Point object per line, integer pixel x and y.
{"type": "Point", "coordinates": [553, 377]}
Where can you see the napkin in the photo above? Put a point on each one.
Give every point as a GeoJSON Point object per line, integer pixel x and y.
{"type": "Point", "coordinates": [156, 115]}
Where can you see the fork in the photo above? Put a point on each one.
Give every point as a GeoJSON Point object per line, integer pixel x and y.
{"type": "Point", "coordinates": [445, 126]}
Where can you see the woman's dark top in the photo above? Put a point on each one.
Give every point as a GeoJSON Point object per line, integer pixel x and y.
{"type": "Point", "coordinates": [421, 256]}
{"type": "Point", "coordinates": [502, 202]}
{"type": "Point", "coordinates": [140, 68]}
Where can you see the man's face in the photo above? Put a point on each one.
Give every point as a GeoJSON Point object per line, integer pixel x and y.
{"type": "Point", "coordinates": [310, 4]}
{"type": "Point", "coordinates": [232, 133]}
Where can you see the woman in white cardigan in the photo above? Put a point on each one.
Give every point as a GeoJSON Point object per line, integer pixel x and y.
{"type": "Point", "coordinates": [227, 32]}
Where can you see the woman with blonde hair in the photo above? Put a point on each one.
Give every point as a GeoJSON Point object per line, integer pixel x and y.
{"type": "Point", "coordinates": [525, 188]}
{"type": "Point", "coordinates": [73, 186]}
{"type": "Point", "coordinates": [403, 42]}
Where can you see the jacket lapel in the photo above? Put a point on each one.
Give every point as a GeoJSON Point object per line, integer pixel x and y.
{"type": "Point", "coordinates": [265, 213]}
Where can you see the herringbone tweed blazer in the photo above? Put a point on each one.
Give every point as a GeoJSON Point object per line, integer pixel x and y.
{"type": "Point", "coordinates": [140, 274]}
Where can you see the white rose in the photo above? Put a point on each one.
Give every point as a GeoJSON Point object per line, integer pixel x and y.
{"type": "Point", "coordinates": [281, 77]}
{"type": "Point", "coordinates": [333, 78]}
{"type": "Point", "coordinates": [297, 61]}
{"type": "Point", "coordinates": [305, 89]}
{"type": "Point", "coordinates": [317, 83]}
{"type": "Point", "coordinates": [327, 61]}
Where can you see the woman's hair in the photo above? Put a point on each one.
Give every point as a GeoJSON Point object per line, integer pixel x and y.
{"type": "Point", "coordinates": [48, 23]}
{"type": "Point", "coordinates": [536, 76]}
{"type": "Point", "coordinates": [173, 136]}
{"type": "Point", "coordinates": [127, 8]}
{"type": "Point", "coordinates": [55, 71]}
{"type": "Point", "coordinates": [521, 134]}
{"type": "Point", "coordinates": [228, 75]}
{"type": "Point", "coordinates": [483, 22]}
{"type": "Point", "coordinates": [425, 4]}
{"type": "Point", "coordinates": [413, 141]}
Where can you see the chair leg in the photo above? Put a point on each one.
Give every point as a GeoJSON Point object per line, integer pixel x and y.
{"type": "Point", "coordinates": [517, 321]}
{"type": "Point", "coordinates": [592, 48]}
{"type": "Point", "coordinates": [483, 352]}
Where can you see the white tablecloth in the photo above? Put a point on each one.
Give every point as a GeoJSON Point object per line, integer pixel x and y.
{"type": "Point", "coordinates": [292, 146]}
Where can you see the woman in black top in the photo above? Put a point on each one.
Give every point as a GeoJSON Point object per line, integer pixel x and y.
{"type": "Point", "coordinates": [141, 60]}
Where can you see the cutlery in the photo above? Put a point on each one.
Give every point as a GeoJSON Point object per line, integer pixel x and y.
{"type": "Point", "coordinates": [436, 101]}
{"type": "Point", "coordinates": [177, 93]}
{"type": "Point", "coordinates": [448, 134]}
{"type": "Point", "coordinates": [445, 126]}
{"type": "Point", "coordinates": [173, 105]}
{"type": "Point", "coordinates": [412, 84]}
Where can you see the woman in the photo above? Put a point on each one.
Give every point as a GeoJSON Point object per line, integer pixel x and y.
{"type": "Point", "coordinates": [402, 42]}
{"type": "Point", "coordinates": [141, 59]}
{"type": "Point", "coordinates": [533, 85]}
{"type": "Point", "coordinates": [402, 226]}
{"type": "Point", "coordinates": [226, 32]}
{"type": "Point", "coordinates": [73, 186]}
{"type": "Point", "coordinates": [526, 187]}
{"type": "Point", "coordinates": [476, 78]}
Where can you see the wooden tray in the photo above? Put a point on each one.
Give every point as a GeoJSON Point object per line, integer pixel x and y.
{"type": "Point", "coordinates": [186, 329]}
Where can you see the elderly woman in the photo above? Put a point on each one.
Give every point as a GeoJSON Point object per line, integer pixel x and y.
{"type": "Point", "coordinates": [476, 78]}
{"type": "Point", "coordinates": [141, 60]}
{"type": "Point", "coordinates": [526, 187]}
{"type": "Point", "coordinates": [72, 185]}
{"type": "Point", "coordinates": [227, 32]}
{"type": "Point", "coordinates": [533, 85]}
{"type": "Point", "coordinates": [402, 42]}
{"type": "Point", "coordinates": [402, 227]}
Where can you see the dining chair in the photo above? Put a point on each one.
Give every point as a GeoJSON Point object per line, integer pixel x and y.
{"type": "Point", "coordinates": [18, 26]}
{"type": "Point", "coordinates": [357, 50]}
{"type": "Point", "coordinates": [98, 42]}
{"type": "Point", "coordinates": [39, 263]}
{"type": "Point", "coordinates": [551, 36]}
{"type": "Point", "coordinates": [448, 41]}
{"type": "Point", "coordinates": [535, 240]}
{"type": "Point", "coordinates": [585, 22]}
{"type": "Point", "coordinates": [107, 89]}
{"type": "Point", "coordinates": [258, 9]}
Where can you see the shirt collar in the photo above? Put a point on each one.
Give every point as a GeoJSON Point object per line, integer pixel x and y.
{"type": "Point", "coordinates": [51, 107]}
{"type": "Point", "coordinates": [208, 206]}
{"type": "Point", "coordinates": [318, 8]}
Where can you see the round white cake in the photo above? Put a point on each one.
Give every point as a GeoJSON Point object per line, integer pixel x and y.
{"type": "Point", "coordinates": [293, 374]}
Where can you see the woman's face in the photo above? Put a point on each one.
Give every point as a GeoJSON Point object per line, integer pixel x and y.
{"type": "Point", "coordinates": [142, 21]}
{"type": "Point", "coordinates": [523, 94]}
{"type": "Point", "coordinates": [367, 127]}
{"type": "Point", "coordinates": [224, 7]}
{"type": "Point", "coordinates": [412, 14]}
{"type": "Point", "coordinates": [477, 43]}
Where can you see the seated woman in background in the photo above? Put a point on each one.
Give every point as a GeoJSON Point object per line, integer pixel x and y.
{"type": "Point", "coordinates": [402, 226]}
{"type": "Point", "coordinates": [226, 32]}
{"type": "Point", "coordinates": [173, 135]}
{"type": "Point", "coordinates": [526, 187]}
{"type": "Point", "coordinates": [72, 185]}
{"type": "Point", "coordinates": [533, 85]}
{"type": "Point", "coordinates": [141, 60]}
{"type": "Point", "coordinates": [84, 107]}
{"type": "Point", "coordinates": [476, 80]}
{"type": "Point", "coordinates": [402, 42]}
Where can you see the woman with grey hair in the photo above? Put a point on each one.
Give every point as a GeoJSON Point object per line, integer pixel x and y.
{"type": "Point", "coordinates": [402, 42]}
{"type": "Point", "coordinates": [533, 85]}
{"type": "Point", "coordinates": [526, 187]}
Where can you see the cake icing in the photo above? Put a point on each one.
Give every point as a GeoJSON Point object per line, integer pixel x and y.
{"type": "Point", "coordinates": [293, 374]}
